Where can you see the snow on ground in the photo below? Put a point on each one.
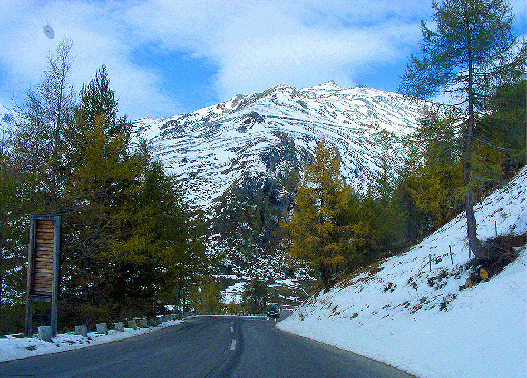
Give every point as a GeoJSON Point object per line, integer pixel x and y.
{"type": "Point", "coordinates": [415, 318]}
{"type": "Point", "coordinates": [13, 348]}
{"type": "Point", "coordinates": [287, 282]}
{"type": "Point", "coordinates": [233, 293]}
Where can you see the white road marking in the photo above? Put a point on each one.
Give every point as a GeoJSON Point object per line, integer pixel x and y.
{"type": "Point", "coordinates": [233, 344]}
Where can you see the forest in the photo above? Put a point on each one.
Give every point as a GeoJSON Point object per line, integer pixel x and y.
{"type": "Point", "coordinates": [129, 242]}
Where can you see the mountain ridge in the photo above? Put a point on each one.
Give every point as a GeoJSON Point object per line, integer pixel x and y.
{"type": "Point", "coordinates": [218, 140]}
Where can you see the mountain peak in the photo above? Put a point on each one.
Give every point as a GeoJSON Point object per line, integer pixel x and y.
{"type": "Point", "coordinates": [328, 86]}
{"type": "Point", "coordinates": [282, 86]}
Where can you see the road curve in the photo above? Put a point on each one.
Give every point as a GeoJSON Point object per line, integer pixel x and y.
{"type": "Point", "coordinates": [205, 347]}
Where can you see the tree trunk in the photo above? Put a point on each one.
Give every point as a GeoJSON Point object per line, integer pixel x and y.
{"type": "Point", "coordinates": [473, 241]}
{"type": "Point", "coordinates": [1, 293]}
{"type": "Point", "coordinates": [324, 275]}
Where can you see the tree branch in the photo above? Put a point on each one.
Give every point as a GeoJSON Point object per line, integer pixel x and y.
{"type": "Point", "coordinates": [490, 144]}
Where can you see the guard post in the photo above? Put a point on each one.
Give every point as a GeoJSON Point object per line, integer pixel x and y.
{"type": "Point", "coordinates": [43, 266]}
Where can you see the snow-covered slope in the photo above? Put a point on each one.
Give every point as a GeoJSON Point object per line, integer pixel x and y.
{"type": "Point", "coordinates": [412, 314]}
{"type": "Point", "coordinates": [274, 131]}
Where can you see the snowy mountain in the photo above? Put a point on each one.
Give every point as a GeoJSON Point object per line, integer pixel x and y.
{"type": "Point", "coordinates": [278, 129]}
{"type": "Point", "coordinates": [419, 312]}
{"type": "Point", "coordinates": [240, 160]}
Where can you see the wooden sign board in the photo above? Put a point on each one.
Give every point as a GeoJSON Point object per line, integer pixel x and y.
{"type": "Point", "coordinates": [43, 265]}
{"type": "Point", "coordinates": [43, 258]}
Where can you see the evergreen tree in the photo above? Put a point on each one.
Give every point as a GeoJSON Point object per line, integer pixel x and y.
{"type": "Point", "coordinates": [33, 176]}
{"type": "Point", "coordinates": [468, 52]}
{"type": "Point", "coordinates": [104, 178]}
{"type": "Point", "coordinates": [315, 228]}
{"type": "Point", "coordinates": [132, 245]}
{"type": "Point", "coordinates": [434, 175]}
{"type": "Point", "coordinates": [12, 250]}
{"type": "Point", "coordinates": [255, 295]}
{"type": "Point", "coordinates": [206, 298]}
{"type": "Point", "coordinates": [502, 130]}
{"type": "Point", "coordinates": [415, 222]}
{"type": "Point", "coordinates": [166, 240]}
{"type": "Point", "coordinates": [98, 100]}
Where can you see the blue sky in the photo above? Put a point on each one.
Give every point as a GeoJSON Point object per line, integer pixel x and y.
{"type": "Point", "coordinates": [167, 57]}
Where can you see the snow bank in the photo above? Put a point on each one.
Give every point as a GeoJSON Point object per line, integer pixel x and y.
{"type": "Point", "coordinates": [13, 348]}
{"type": "Point", "coordinates": [414, 317]}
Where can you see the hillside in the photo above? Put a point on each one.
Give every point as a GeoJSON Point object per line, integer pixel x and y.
{"type": "Point", "coordinates": [410, 312]}
{"type": "Point", "coordinates": [240, 160]}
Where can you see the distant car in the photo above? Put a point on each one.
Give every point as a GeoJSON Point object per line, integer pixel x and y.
{"type": "Point", "coordinates": [273, 312]}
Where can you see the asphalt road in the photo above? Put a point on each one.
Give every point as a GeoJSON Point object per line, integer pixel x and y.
{"type": "Point", "coordinates": [205, 347]}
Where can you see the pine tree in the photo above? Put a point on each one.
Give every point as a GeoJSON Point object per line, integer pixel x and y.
{"type": "Point", "coordinates": [98, 100]}
{"type": "Point", "coordinates": [160, 242]}
{"type": "Point", "coordinates": [206, 298]}
{"type": "Point", "coordinates": [32, 171]}
{"type": "Point", "coordinates": [503, 128]}
{"type": "Point", "coordinates": [12, 251]}
{"type": "Point", "coordinates": [132, 244]}
{"type": "Point", "coordinates": [315, 228]}
{"type": "Point", "coordinates": [255, 295]}
{"type": "Point", "coordinates": [104, 176]}
{"type": "Point", "coordinates": [435, 180]}
{"type": "Point", "coordinates": [102, 181]}
{"type": "Point", "coordinates": [469, 51]}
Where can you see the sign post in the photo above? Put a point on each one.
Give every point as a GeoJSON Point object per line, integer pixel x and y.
{"type": "Point", "coordinates": [43, 266]}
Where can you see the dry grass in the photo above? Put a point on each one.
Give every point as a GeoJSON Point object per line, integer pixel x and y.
{"type": "Point", "coordinates": [501, 251]}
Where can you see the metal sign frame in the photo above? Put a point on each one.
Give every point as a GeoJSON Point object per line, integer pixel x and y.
{"type": "Point", "coordinates": [43, 269]}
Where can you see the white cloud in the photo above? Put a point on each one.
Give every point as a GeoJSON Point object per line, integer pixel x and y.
{"type": "Point", "coordinates": [257, 44]}
{"type": "Point", "coordinates": [304, 56]}
{"type": "Point", "coordinates": [254, 44]}
{"type": "Point", "coordinates": [99, 36]}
